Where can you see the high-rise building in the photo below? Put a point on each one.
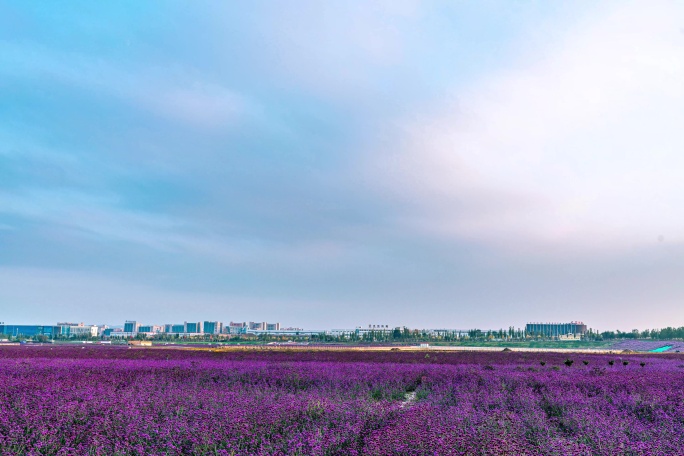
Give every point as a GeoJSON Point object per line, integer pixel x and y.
{"type": "Point", "coordinates": [213, 327]}
{"type": "Point", "coordinates": [131, 326]}
{"type": "Point", "coordinates": [193, 327]}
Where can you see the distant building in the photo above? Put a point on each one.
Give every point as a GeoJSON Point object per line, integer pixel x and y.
{"type": "Point", "coordinates": [236, 328]}
{"type": "Point", "coordinates": [263, 326]}
{"type": "Point", "coordinates": [83, 330]}
{"type": "Point", "coordinates": [30, 330]}
{"type": "Point", "coordinates": [68, 329]}
{"type": "Point", "coordinates": [339, 332]}
{"type": "Point", "coordinates": [193, 327]}
{"type": "Point", "coordinates": [575, 328]}
{"type": "Point", "coordinates": [213, 327]}
{"type": "Point", "coordinates": [374, 329]}
{"type": "Point", "coordinates": [285, 332]}
{"type": "Point", "coordinates": [243, 327]}
{"type": "Point", "coordinates": [131, 326]}
{"type": "Point", "coordinates": [177, 329]}
{"type": "Point", "coordinates": [378, 327]}
{"type": "Point", "coordinates": [150, 329]}
{"type": "Point", "coordinates": [122, 334]}
{"type": "Point", "coordinates": [570, 337]}
{"type": "Point", "coordinates": [186, 329]}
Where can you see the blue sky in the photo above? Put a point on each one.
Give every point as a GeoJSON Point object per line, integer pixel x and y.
{"type": "Point", "coordinates": [334, 164]}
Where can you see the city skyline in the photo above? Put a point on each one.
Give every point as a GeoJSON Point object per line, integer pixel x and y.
{"type": "Point", "coordinates": [226, 326]}
{"type": "Point", "coordinates": [440, 164]}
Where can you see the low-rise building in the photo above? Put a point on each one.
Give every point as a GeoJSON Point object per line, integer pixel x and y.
{"type": "Point", "coordinates": [83, 331]}
{"type": "Point", "coordinates": [185, 328]}
{"type": "Point", "coordinates": [236, 328]}
{"type": "Point", "coordinates": [150, 330]}
{"type": "Point", "coordinates": [67, 329]}
{"type": "Point", "coordinates": [30, 330]}
{"type": "Point", "coordinates": [555, 329]}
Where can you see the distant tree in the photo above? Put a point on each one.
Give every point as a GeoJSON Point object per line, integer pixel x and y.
{"type": "Point", "coordinates": [608, 335]}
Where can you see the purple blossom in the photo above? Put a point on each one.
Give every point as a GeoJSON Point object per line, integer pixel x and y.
{"type": "Point", "coordinates": [105, 400]}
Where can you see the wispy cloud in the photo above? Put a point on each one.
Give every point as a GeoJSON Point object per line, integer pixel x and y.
{"type": "Point", "coordinates": [575, 146]}
{"type": "Point", "coordinates": [172, 92]}
{"type": "Point", "coordinates": [337, 162]}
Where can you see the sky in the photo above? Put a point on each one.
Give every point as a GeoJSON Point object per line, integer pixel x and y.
{"type": "Point", "coordinates": [343, 163]}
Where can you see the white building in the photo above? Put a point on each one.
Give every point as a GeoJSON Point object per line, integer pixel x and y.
{"type": "Point", "coordinates": [80, 330]}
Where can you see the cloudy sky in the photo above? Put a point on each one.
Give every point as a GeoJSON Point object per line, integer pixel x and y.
{"type": "Point", "coordinates": [334, 164]}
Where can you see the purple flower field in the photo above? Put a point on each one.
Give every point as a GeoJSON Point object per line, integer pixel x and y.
{"type": "Point", "coordinates": [648, 345]}
{"type": "Point", "coordinates": [117, 401]}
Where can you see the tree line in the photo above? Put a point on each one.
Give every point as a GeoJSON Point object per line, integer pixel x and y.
{"type": "Point", "coordinates": [396, 335]}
